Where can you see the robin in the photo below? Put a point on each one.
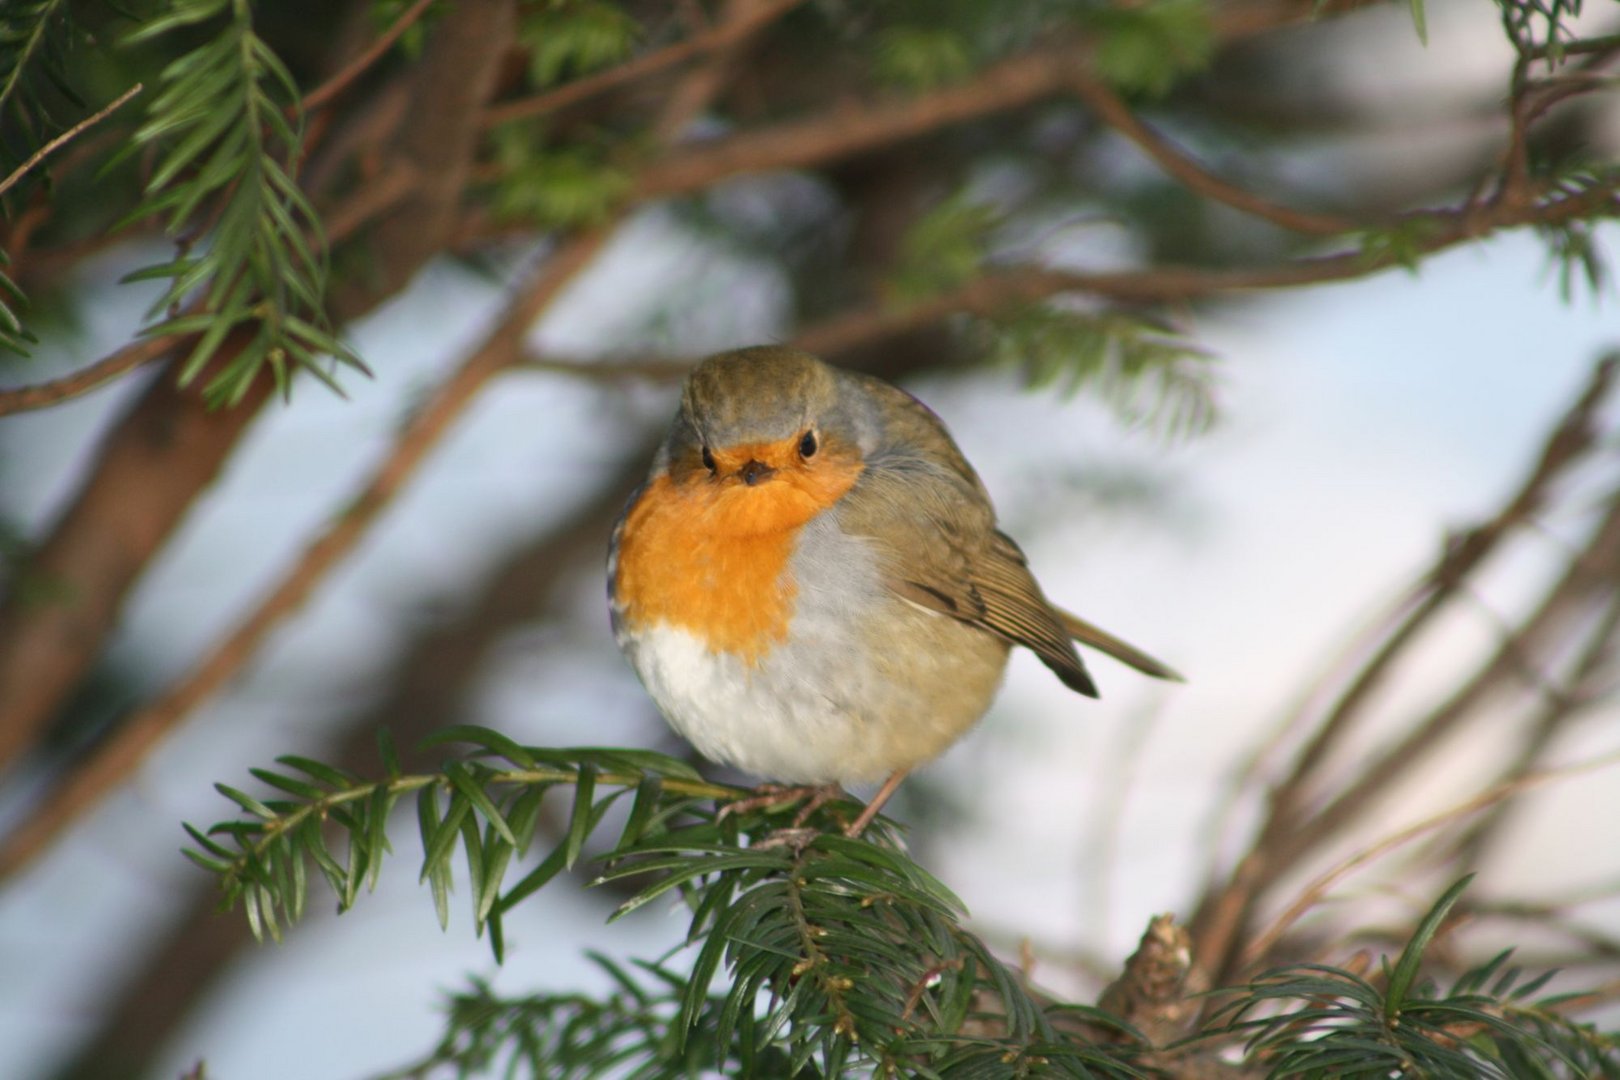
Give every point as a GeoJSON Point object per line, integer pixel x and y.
{"type": "Point", "coordinates": [811, 584]}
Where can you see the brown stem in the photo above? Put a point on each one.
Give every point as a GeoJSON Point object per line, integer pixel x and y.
{"type": "Point", "coordinates": [844, 132]}
{"type": "Point", "coordinates": [114, 759]}
{"type": "Point", "coordinates": [150, 468]}
{"type": "Point", "coordinates": [1595, 568]}
{"type": "Point", "coordinates": [66, 137]}
{"type": "Point", "coordinates": [340, 81]}
{"type": "Point", "coordinates": [1573, 698]}
{"type": "Point", "coordinates": [1117, 115]}
{"type": "Point", "coordinates": [721, 37]}
{"type": "Point", "coordinates": [86, 379]}
{"type": "Point", "coordinates": [153, 465]}
{"type": "Point", "coordinates": [1227, 908]}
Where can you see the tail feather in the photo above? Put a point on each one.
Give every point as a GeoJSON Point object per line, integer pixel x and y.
{"type": "Point", "coordinates": [1101, 640]}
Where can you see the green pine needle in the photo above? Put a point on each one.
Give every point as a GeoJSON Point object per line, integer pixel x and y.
{"type": "Point", "coordinates": [252, 248]}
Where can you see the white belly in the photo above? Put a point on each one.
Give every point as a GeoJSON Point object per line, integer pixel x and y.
{"type": "Point", "coordinates": [841, 700]}
{"type": "Point", "coordinates": [760, 719]}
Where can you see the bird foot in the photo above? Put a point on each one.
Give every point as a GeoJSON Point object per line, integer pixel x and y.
{"type": "Point", "coordinates": [794, 839]}
{"type": "Point", "coordinates": [771, 796]}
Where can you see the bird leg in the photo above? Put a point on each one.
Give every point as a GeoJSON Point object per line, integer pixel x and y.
{"type": "Point", "coordinates": [890, 786]}
{"type": "Point", "coordinates": [770, 796]}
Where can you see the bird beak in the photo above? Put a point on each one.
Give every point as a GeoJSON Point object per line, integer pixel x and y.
{"type": "Point", "coordinates": [755, 472]}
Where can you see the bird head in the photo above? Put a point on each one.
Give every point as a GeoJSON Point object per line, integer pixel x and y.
{"type": "Point", "coordinates": [770, 435]}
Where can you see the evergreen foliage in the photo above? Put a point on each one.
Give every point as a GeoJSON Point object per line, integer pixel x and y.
{"type": "Point", "coordinates": [809, 954]}
{"type": "Point", "coordinates": [224, 182]}
{"type": "Point", "coordinates": [806, 954]}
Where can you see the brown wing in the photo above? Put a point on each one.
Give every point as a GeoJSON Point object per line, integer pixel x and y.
{"type": "Point", "coordinates": [1015, 608]}
{"type": "Point", "coordinates": [933, 516]}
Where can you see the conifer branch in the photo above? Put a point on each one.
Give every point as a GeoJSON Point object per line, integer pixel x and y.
{"type": "Point", "coordinates": [67, 136]}
{"type": "Point", "coordinates": [718, 38]}
{"type": "Point", "coordinates": [340, 80]}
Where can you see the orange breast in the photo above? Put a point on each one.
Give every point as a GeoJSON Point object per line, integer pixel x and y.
{"type": "Point", "coordinates": [712, 558]}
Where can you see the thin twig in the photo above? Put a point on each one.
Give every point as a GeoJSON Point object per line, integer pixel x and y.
{"type": "Point", "coordinates": [367, 204]}
{"type": "Point", "coordinates": [1560, 707]}
{"type": "Point", "coordinates": [136, 737]}
{"type": "Point", "coordinates": [1225, 911]}
{"type": "Point", "coordinates": [370, 201]}
{"type": "Point", "coordinates": [1574, 437]}
{"type": "Point", "coordinates": [66, 137]}
{"type": "Point", "coordinates": [339, 82]}
{"type": "Point", "coordinates": [721, 37]}
{"type": "Point", "coordinates": [117, 757]}
{"type": "Point", "coordinates": [1599, 562]}
{"type": "Point", "coordinates": [1116, 114]}
{"type": "Point", "coordinates": [845, 131]}
{"type": "Point", "coordinates": [1313, 893]}
{"type": "Point", "coordinates": [1003, 290]}
{"type": "Point", "coordinates": [704, 82]}
{"type": "Point", "coordinates": [86, 379]}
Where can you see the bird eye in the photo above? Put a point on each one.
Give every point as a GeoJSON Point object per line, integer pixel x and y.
{"type": "Point", "coordinates": [807, 445]}
{"type": "Point", "coordinates": [708, 459]}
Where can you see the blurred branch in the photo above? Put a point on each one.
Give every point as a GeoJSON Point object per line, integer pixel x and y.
{"type": "Point", "coordinates": [697, 91]}
{"type": "Point", "coordinates": [1289, 829]}
{"type": "Point", "coordinates": [340, 81]}
{"type": "Point", "coordinates": [423, 689]}
{"type": "Point", "coordinates": [127, 359]}
{"type": "Point", "coordinates": [117, 757]}
{"type": "Point", "coordinates": [723, 36]}
{"type": "Point", "coordinates": [1572, 440]}
{"type": "Point", "coordinates": [404, 236]}
{"type": "Point", "coordinates": [1003, 289]}
{"type": "Point", "coordinates": [171, 445]}
{"type": "Point", "coordinates": [66, 137]}
{"type": "Point", "coordinates": [1116, 114]}
{"type": "Point", "coordinates": [1258, 949]}
{"type": "Point", "coordinates": [366, 204]}
{"type": "Point", "coordinates": [1590, 573]}
{"type": "Point", "coordinates": [848, 130]}
{"type": "Point", "coordinates": [1590, 682]}
{"type": "Point", "coordinates": [449, 88]}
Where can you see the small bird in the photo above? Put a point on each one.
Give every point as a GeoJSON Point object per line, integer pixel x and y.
{"type": "Point", "coordinates": [811, 584]}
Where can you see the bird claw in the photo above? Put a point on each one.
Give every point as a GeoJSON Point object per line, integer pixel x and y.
{"type": "Point", "coordinates": [794, 839]}
{"type": "Point", "coordinates": [771, 796]}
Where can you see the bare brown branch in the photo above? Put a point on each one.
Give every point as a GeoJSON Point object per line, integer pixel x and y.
{"type": "Point", "coordinates": [436, 144]}
{"type": "Point", "coordinates": [850, 130]}
{"type": "Point", "coordinates": [340, 81]}
{"type": "Point", "coordinates": [66, 137]}
{"type": "Point", "coordinates": [115, 758]}
{"type": "Point", "coordinates": [1586, 685]}
{"type": "Point", "coordinates": [723, 36]}
{"type": "Point", "coordinates": [1289, 829]}
{"type": "Point", "coordinates": [171, 445]}
{"type": "Point", "coordinates": [1260, 946]}
{"type": "Point", "coordinates": [1117, 115]}
{"type": "Point", "coordinates": [86, 379]}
